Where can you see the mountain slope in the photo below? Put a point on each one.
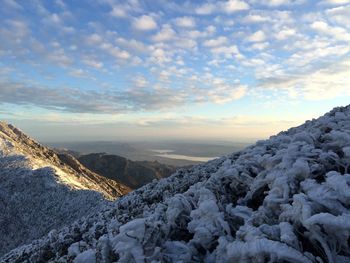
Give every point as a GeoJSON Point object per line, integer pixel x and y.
{"type": "Point", "coordinates": [40, 190]}
{"type": "Point", "coordinates": [68, 169]}
{"type": "Point", "coordinates": [285, 199]}
{"type": "Point", "coordinates": [130, 173]}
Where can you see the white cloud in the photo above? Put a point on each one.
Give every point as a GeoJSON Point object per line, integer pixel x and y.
{"type": "Point", "coordinates": [215, 42]}
{"type": "Point", "coordinates": [226, 51]}
{"type": "Point", "coordinates": [232, 6]}
{"type": "Point", "coordinates": [132, 45]}
{"type": "Point", "coordinates": [205, 9]}
{"type": "Point", "coordinates": [223, 93]}
{"type": "Point", "coordinates": [339, 33]}
{"type": "Point", "coordinates": [275, 3]}
{"type": "Point", "coordinates": [260, 45]}
{"type": "Point", "coordinates": [115, 51]}
{"type": "Point", "coordinates": [140, 82]}
{"type": "Point", "coordinates": [119, 11]}
{"type": "Point", "coordinates": [335, 2]}
{"type": "Point", "coordinates": [93, 39]}
{"type": "Point", "coordinates": [165, 34]}
{"type": "Point", "coordinates": [92, 62]}
{"type": "Point", "coordinates": [144, 23]}
{"type": "Point", "coordinates": [285, 33]}
{"type": "Point", "coordinates": [255, 18]}
{"type": "Point", "coordinates": [185, 21]}
{"type": "Point", "coordinates": [228, 7]}
{"type": "Point", "coordinates": [258, 36]}
{"type": "Point", "coordinates": [317, 84]}
{"type": "Point", "coordinates": [78, 73]}
{"type": "Point", "coordinates": [340, 15]}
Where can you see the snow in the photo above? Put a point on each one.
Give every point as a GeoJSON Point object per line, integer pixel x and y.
{"type": "Point", "coordinates": [285, 199]}
{"type": "Point", "coordinates": [37, 194]}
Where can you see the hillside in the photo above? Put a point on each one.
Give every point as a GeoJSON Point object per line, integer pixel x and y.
{"type": "Point", "coordinates": [133, 174]}
{"type": "Point", "coordinates": [285, 199]}
{"type": "Point", "coordinates": [41, 190]}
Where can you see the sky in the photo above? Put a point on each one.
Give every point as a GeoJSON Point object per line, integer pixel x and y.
{"type": "Point", "coordinates": [150, 70]}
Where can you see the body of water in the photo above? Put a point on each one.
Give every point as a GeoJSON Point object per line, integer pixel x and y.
{"type": "Point", "coordinates": [171, 155]}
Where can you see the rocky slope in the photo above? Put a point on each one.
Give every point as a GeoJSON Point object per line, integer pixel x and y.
{"type": "Point", "coordinates": [40, 190]}
{"type": "Point", "coordinates": [285, 199]}
{"type": "Point", "coordinates": [130, 173]}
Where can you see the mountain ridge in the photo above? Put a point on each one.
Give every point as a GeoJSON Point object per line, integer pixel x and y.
{"type": "Point", "coordinates": [81, 178]}
{"type": "Point", "coordinates": [284, 199]}
{"type": "Point", "coordinates": [41, 191]}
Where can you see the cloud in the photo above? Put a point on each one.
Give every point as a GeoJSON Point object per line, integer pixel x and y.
{"type": "Point", "coordinates": [215, 42]}
{"type": "Point", "coordinates": [12, 4]}
{"type": "Point", "coordinates": [205, 9]}
{"type": "Point", "coordinates": [335, 2]}
{"type": "Point", "coordinates": [260, 45]}
{"type": "Point", "coordinates": [340, 15]}
{"type": "Point", "coordinates": [185, 21]}
{"type": "Point", "coordinates": [232, 6]}
{"type": "Point", "coordinates": [94, 39]}
{"type": "Point", "coordinates": [165, 34]}
{"type": "Point", "coordinates": [228, 7]}
{"type": "Point", "coordinates": [317, 84]}
{"type": "Point", "coordinates": [144, 23]}
{"type": "Point", "coordinates": [285, 33]}
{"type": "Point", "coordinates": [79, 73]}
{"type": "Point", "coordinates": [59, 57]}
{"type": "Point", "coordinates": [132, 45]}
{"type": "Point", "coordinates": [258, 36]}
{"type": "Point", "coordinates": [118, 11]}
{"type": "Point", "coordinates": [255, 18]}
{"type": "Point", "coordinates": [144, 96]}
{"type": "Point", "coordinates": [337, 32]}
{"type": "Point", "coordinates": [97, 41]}
{"type": "Point", "coordinates": [276, 3]}
{"type": "Point", "coordinates": [90, 61]}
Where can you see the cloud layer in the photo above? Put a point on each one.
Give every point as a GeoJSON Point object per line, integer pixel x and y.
{"type": "Point", "coordinates": [149, 56]}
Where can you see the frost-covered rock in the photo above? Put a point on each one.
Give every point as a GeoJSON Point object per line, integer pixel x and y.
{"type": "Point", "coordinates": [285, 199]}
{"type": "Point", "coordinates": [40, 192]}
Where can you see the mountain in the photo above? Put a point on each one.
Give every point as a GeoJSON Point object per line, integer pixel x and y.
{"type": "Point", "coordinates": [40, 190]}
{"type": "Point", "coordinates": [285, 199]}
{"type": "Point", "coordinates": [133, 174]}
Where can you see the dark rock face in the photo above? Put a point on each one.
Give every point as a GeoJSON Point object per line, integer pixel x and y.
{"type": "Point", "coordinates": [130, 173]}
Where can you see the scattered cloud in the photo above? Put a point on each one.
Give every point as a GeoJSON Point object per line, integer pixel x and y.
{"type": "Point", "coordinates": [337, 32]}
{"type": "Point", "coordinates": [185, 21]}
{"type": "Point", "coordinates": [165, 34]}
{"type": "Point", "coordinates": [216, 42]}
{"type": "Point", "coordinates": [232, 6]}
{"type": "Point", "coordinates": [134, 57]}
{"type": "Point", "coordinates": [335, 2]}
{"type": "Point", "coordinates": [205, 9]}
{"type": "Point", "coordinates": [145, 23]}
{"type": "Point", "coordinates": [258, 36]}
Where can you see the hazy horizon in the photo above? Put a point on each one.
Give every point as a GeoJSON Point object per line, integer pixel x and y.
{"type": "Point", "coordinates": [235, 70]}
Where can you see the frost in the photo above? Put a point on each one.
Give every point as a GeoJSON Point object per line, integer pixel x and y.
{"type": "Point", "coordinates": [87, 256]}
{"type": "Point", "coordinates": [285, 199]}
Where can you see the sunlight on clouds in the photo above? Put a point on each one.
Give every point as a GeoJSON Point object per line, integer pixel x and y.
{"type": "Point", "coordinates": [161, 57]}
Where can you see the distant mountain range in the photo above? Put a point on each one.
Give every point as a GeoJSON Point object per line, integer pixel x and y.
{"type": "Point", "coordinates": [130, 173]}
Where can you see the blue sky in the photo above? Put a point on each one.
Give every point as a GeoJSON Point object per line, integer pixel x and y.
{"type": "Point", "coordinates": [73, 70]}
